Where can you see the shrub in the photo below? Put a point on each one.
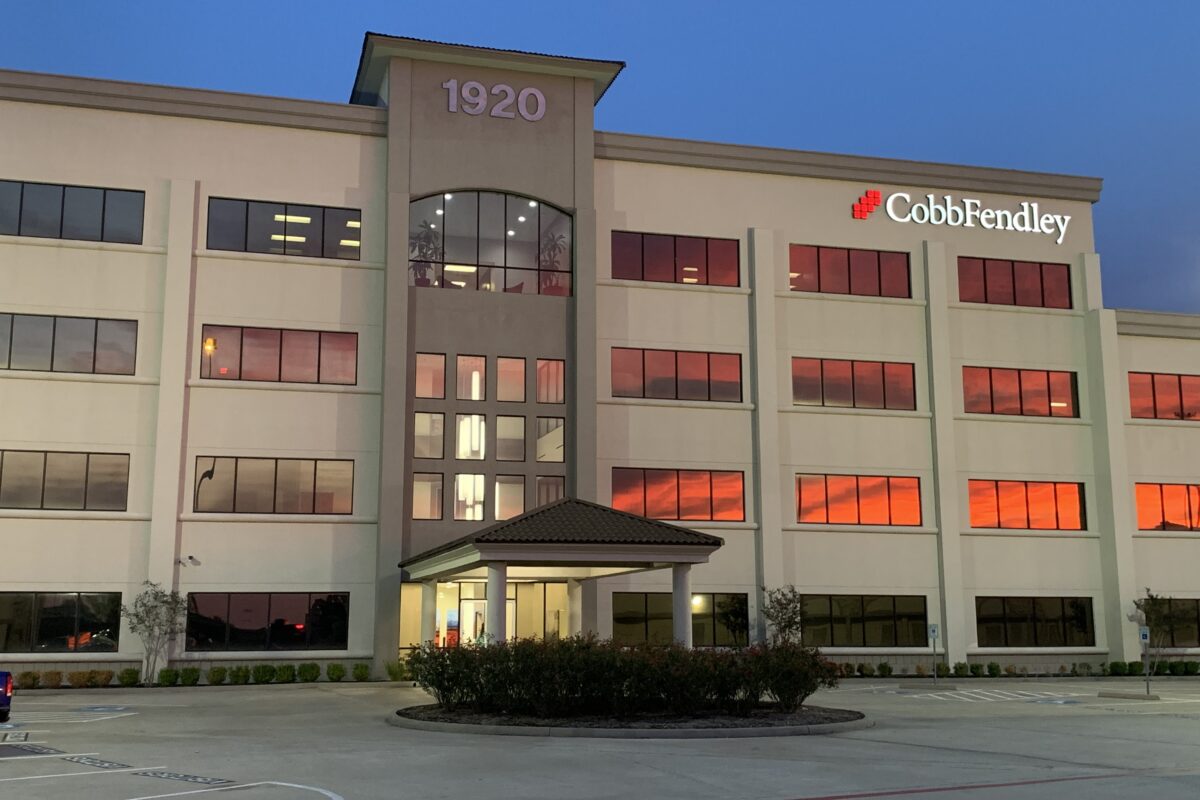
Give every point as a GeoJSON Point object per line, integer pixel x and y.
{"type": "Point", "coordinates": [942, 669]}
{"type": "Point", "coordinates": [239, 675]}
{"type": "Point", "coordinates": [921, 670]}
{"type": "Point", "coordinates": [263, 673]}
{"type": "Point", "coordinates": [1084, 668]}
{"type": "Point", "coordinates": [189, 676]}
{"type": "Point", "coordinates": [77, 679]}
{"type": "Point", "coordinates": [1119, 668]}
{"type": "Point", "coordinates": [398, 670]}
{"type": "Point", "coordinates": [993, 669]}
{"type": "Point", "coordinates": [1062, 669]}
{"type": "Point", "coordinates": [100, 677]}
{"type": "Point", "coordinates": [28, 680]}
{"type": "Point", "coordinates": [168, 676]}
{"type": "Point", "coordinates": [1134, 667]}
{"type": "Point", "coordinates": [1176, 667]}
{"type": "Point", "coordinates": [216, 675]}
{"type": "Point", "coordinates": [584, 675]}
{"type": "Point", "coordinates": [1191, 668]}
{"type": "Point", "coordinates": [866, 670]}
{"type": "Point", "coordinates": [1010, 671]}
{"type": "Point", "coordinates": [976, 670]}
{"type": "Point", "coordinates": [52, 679]}
{"type": "Point", "coordinates": [309, 672]}
{"type": "Point", "coordinates": [362, 672]}
{"type": "Point", "coordinates": [884, 669]}
{"type": "Point", "coordinates": [285, 673]}
{"type": "Point", "coordinates": [961, 670]}
{"type": "Point", "coordinates": [335, 672]}
{"type": "Point", "coordinates": [129, 677]}
{"type": "Point", "coordinates": [1161, 667]}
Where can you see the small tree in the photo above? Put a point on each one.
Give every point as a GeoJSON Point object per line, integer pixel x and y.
{"type": "Point", "coordinates": [157, 617]}
{"type": "Point", "coordinates": [1157, 614]}
{"type": "Point", "coordinates": [783, 609]}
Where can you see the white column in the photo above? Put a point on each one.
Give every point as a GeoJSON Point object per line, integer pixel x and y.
{"type": "Point", "coordinates": [497, 600]}
{"type": "Point", "coordinates": [428, 610]}
{"type": "Point", "coordinates": [575, 607]}
{"type": "Point", "coordinates": [681, 602]}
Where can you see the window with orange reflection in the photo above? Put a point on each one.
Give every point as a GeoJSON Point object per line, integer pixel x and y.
{"type": "Point", "coordinates": [868, 384]}
{"type": "Point", "coordinates": [998, 280]}
{"type": "Point", "coordinates": [677, 375]}
{"type": "Point", "coordinates": [1164, 396]}
{"type": "Point", "coordinates": [839, 270]}
{"type": "Point", "coordinates": [837, 378]}
{"type": "Point", "coordinates": [665, 258]}
{"type": "Point", "coordinates": [1175, 502]}
{"type": "Point", "coordinates": [1035, 393]}
{"type": "Point", "coordinates": [1028, 505]}
{"type": "Point", "coordinates": [858, 500]}
{"type": "Point", "coordinates": [679, 494]}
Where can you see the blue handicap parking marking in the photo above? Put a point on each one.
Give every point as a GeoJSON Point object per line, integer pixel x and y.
{"type": "Point", "coordinates": [10, 726]}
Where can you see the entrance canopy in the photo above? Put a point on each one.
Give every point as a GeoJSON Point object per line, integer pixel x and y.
{"type": "Point", "coordinates": [566, 539]}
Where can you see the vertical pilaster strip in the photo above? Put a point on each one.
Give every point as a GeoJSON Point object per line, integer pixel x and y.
{"type": "Point", "coordinates": [1115, 522]}
{"type": "Point", "coordinates": [764, 392]}
{"type": "Point", "coordinates": [582, 321]}
{"type": "Point", "coordinates": [954, 636]}
{"type": "Point", "coordinates": [175, 364]}
{"type": "Point", "coordinates": [393, 486]}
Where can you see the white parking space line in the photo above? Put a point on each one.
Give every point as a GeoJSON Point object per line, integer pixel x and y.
{"type": "Point", "coordinates": [993, 695]}
{"type": "Point", "coordinates": [323, 792]}
{"type": "Point", "coordinates": [45, 755]}
{"type": "Point", "coordinates": [69, 716]}
{"type": "Point", "coordinates": [75, 774]}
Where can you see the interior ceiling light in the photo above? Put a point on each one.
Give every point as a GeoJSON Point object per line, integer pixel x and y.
{"type": "Point", "coordinates": [279, 237]}
{"type": "Point", "coordinates": [533, 203]}
{"type": "Point", "coordinates": [520, 219]}
{"type": "Point", "coordinates": [292, 218]}
{"type": "Point", "coordinates": [458, 268]}
{"type": "Point", "coordinates": [448, 196]}
{"type": "Point", "coordinates": [349, 243]}
{"type": "Point", "coordinates": [353, 223]}
{"type": "Point", "coordinates": [512, 233]}
{"type": "Point", "coordinates": [439, 212]}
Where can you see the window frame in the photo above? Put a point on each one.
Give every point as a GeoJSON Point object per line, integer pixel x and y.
{"type": "Point", "coordinates": [983, 262]}
{"type": "Point", "coordinates": [678, 280]}
{"type": "Point", "coordinates": [197, 477]}
{"type": "Point", "coordinates": [1191, 492]}
{"type": "Point", "coordinates": [86, 480]}
{"type": "Point", "coordinates": [863, 619]}
{"type": "Point", "coordinates": [34, 621]}
{"type": "Point", "coordinates": [6, 359]}
{"type": "Point", "coordinates": [1020, 393]}
{"type": "Point", "coordinates": [63, 187]}
{"type": "Point", "coordinates": [1035, 622]}
{"type": "Point", "coordinates": [286, 206]}
{"type": "Point", "coordinates": [279, 371]}
{"type": "Point", "coordinates": [883, 367]}
{"type": "Point", "coordinates": [799, 499]}
{"type": "Point", "coordinates": [711, 616]}
{"type": "Point", "coordinates": [676, 353]}
{"type": "Point", "coordinates": [794, 248]}
{"type": "Point", "coordinates": [712, 517]}
{"type": "Point", "coordinates": [1029, 517]}
{"type": "Point", "coordinates": [308, 627]}
{"type": "Point", "coordinates": [1181, 395]}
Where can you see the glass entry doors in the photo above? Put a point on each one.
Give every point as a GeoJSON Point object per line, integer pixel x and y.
{"type": "Point", "coordinates": [533, 610]}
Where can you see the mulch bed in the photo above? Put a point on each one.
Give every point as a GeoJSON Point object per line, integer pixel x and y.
{"type": "Point", "coordinates": [761, 718]}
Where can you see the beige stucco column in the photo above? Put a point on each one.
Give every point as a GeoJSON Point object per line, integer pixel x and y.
{"type": "Point", "coordinates": [428, 611]}
{"type": "Point", "coordinates": [497, 601]}
{"type": "Point", "coordinates": [681, 603]}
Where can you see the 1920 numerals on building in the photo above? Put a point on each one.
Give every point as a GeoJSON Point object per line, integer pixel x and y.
{"type": "Point", "coordinates": [472, 97]}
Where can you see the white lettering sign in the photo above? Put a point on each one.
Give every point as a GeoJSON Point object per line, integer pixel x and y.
{"type": "Point", "coordinates": [530, 102]}
{"type": "Point", "coordinates": [969, 213]}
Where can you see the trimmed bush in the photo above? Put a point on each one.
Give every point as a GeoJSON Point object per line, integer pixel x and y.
{"type": "Point", "coordinates": [240, 675]}
{"type": "Point", "coordinates": [263, 673]}
{"type": "Point", "coordinates": [846, 669]}
{"type": "Point", "coordinates": [993, 669]}
{"type": "Point", "coordinates": [1176, 667]}
{"type": "Point", "coordinates": [961, 670]}
{"type": "Point", "coordinates": [168, 676]}
{"type": "Point", "coordinates": [1191, 668]}
{"type": "Point", "coordinates": [1134, 668]}
{"type": "Point", "coordinates": [129, 677]}
{"type": "Point", "coordinates": [100, 677]}
{"type": "Point", "coordinates": [216, 675]}
{"type": "Point", "coordinates": [920, 670]}
{"type": "Point", "coordinates": [1010, 671]}
{"type": "Point", "coordinates": [976, 670]}
{"type": "Point", "coordinates": [285, 673]}
{"type": "Point", "coordinates": [77, 679]}
{"type": "Point", "coordinates": [884, 669]}
{"type": "Point", "coordinates": [398, 671]}
{"type": "Point", "coordinates": [942, 669]}
{"type": "Point", "coordinates": [335, 672]}
{"type": "Point", "coordinates": [52, 679]}
{"type": "Point", "coordinates": [28, 680]}
{"type": "Point", "coordinates": [1161, 667]}
{"type": "Point", "coordinates": [1084, 668]}
{"type": "Point", "coordinates": [585, 676]}
{"type": "Point", "coordinates": [362, 672]}
{"type": "Point", "coordinates": [189, 676]}
{"type": "Point", "coordinates": [866, 670]}
{"type": "Point", "coordinates": [309, 672]}
{"type": "Point", "coordinates": [1118, 668]}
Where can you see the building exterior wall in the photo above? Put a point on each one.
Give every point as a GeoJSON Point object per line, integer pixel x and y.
{"type": "Point", "coordinates": [183, 147]}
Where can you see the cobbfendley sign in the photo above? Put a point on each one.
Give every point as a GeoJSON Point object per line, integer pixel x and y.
{"type": "Point", "coordinates": [966, 212]}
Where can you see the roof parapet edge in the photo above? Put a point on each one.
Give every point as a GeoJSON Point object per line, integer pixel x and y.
{"type": "Point", "coordinates": [1160, 324]}
{"type": "Point", "coordinates": [834, 166]}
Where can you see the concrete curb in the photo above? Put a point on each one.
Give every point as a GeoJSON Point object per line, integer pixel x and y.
{"type": "Point", "coordinates": [398, 721]}
{"type": "Point", "coordinates": [1129, 696]}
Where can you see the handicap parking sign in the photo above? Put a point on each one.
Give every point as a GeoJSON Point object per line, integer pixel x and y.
{"type": "Point", "coordinates": [1144, 633]}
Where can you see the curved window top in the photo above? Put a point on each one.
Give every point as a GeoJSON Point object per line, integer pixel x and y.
{"type": "Point", "coordinates": [490, 242]}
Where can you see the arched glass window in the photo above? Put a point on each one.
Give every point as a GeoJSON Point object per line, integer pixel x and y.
{"type": "Point", "coordinates": [490, 242]}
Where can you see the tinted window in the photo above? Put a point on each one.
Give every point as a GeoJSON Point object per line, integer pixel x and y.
{"type": "Point", "coordinates": [37, 479]}
{"type": "Point", "coordinates": [676, 375]}
{"type": "Point", "coordinates": [10, 207]}
{"type": "Point", "coordinates": [679, 494]}
{"type": "Point", "coordinates": [858, 500]}
{"type": "Point", "coordinates": [226, 224]}
{"type": "Point", "coordinates": [430, 376]}
{"type": "Point", "coordinates": [427, 496]}
{"type": "Point", "coordinates": [837, 270]}
{"type": "Point", "coordinates": [1022, 283]}
{"type": "Point", "coordinates": [663, 258]}
{"type": "Point", "coordinates": [41, 210]}
{"type": "Point", "coordinates": [65, 481]}
{"type": "Point", "coordinates": [849, 620]}
{"type": "Point", "coordinates": [510, 380]}
{"type": "Point", "coordinates": [551, 380]}
{"type": "Point", "coordinates": [83, 213]}
{"type": "Point", "coordinates": [116, 346]}
{"type": "Point", "coordinates": [265, 228]}
{"type": "Point", "coordinates": [32, 342]}
{"type": "Point", "coordinates": [279, 486]}
{"type": "Point", "coordinates": [74, 344]}
{"type": "Point", "coordinates": [123, 214]}
{"type": "Point", "coordinates": [428, 435]}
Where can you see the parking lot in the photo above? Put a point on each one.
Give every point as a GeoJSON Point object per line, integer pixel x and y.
{"type": "Point", "coordinates": [982, 739]}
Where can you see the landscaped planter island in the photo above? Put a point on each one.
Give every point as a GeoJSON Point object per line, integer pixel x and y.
{"type": "Point", "coordinates": [587, 687]}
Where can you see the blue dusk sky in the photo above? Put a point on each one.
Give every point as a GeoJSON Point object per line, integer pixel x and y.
{"type": "Point", "coordinates": [1103, 88]}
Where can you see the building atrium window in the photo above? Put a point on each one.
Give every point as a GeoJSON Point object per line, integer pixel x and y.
{"type": "Point", "coordinates": [490, 242]}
